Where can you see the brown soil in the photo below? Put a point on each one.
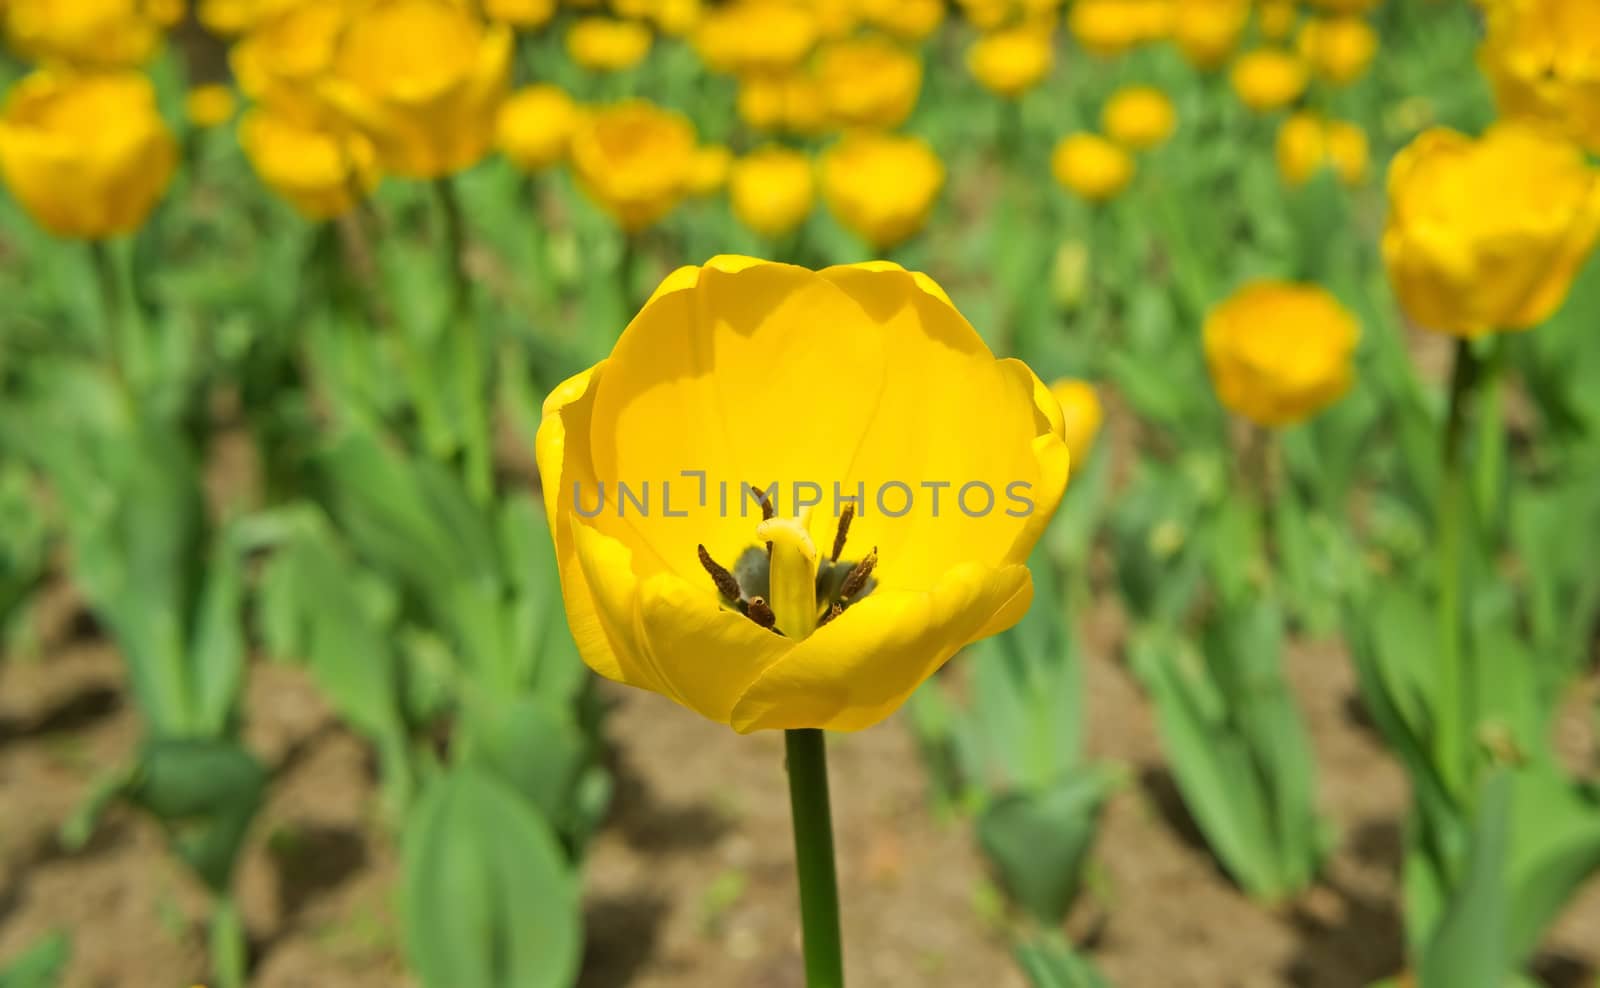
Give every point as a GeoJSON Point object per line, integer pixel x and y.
{"type": "Point", "coordinates": [690, 882]}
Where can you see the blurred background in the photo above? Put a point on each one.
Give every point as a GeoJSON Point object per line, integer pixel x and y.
{"type": "Point", "coordinates": [287, 696]}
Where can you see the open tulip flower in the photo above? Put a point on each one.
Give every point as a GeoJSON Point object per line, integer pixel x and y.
{"type": "Point", "coordinates": [745, 389]}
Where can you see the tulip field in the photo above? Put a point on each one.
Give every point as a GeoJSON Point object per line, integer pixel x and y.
{"type": "Point", "coordinates": [796, 493]}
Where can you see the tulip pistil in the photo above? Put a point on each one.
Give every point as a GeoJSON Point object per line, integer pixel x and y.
{"type": "Point", "coordinates": [784, 585]}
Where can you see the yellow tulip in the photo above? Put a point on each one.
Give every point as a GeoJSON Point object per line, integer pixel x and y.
{"type": "Point", "coordinates": [756, 36]}
{"type": "Point", "coordinates": [1277, 18]}
{"type": "Point", "coordinates": [720, 374]}
{"type": "Point", "coordinates": [94, 34]}
{"type": "Point", "coordinates": [209, 105]}
{"type": "Point", "coordinates": [675, 18]}
{"type": "Point", "coordinates": [1091, 166]}
{"type": "Point", "coordinates": [869, 82]}
{"type": "Point", "coordinates": [86, 156]}
{"type": "Point", "coordinates": [1308, 143]}
{"type": "Point", "coordinates": [1486, 235]}
{"type": "Point", "coordinates": [1111, 27]}
{"type": "Point", "coordinates": [287, 53]}
{"type": "Point", "coordinates": [602, 44]}
{"type": "Point", "coordinates": [772, 190]}
{"type": "Point", "coordinates": [1269, 79]}
{"type": "Point", "coordinates": [1207, 30]}
{"type": "Point", "coordinates": [708, 169]}
{"type": "Point", "coordinates": [909, 20]}
{"type": "Point", "coordinates": [1280, 352]}
{"type": "Point", "coordinates": [1010, 61]}
{"type": "Point", "coordinates": [1339, 49]}
{"type": "Point", "coordinates": [881, 187]}
{"type": "Point", "coordinates": [986, 15]}
{"type": "Point", "coordinates": [635, 160]}
{"type": "Point", "coordinates": [322, 173]}
{"type": "Point", "coordinates": [1345, 6]}
{"type": "Point", "coordinates": [524, 15]}
{"type": "Point", "coordinates": [1139, 117]}
{"type": "Point", "coordinates": [535, 126]}
{"type": "Point", "coordinates": [423, 80]}
{"type": "Point", "coordinates": [1543, 60]}
{"type": "Point", "coordinates": [1081, 415]}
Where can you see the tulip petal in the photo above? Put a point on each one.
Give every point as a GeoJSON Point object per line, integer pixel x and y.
{"type": "Point", "coordinates": [859, 668]}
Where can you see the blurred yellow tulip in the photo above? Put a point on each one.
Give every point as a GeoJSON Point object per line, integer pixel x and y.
{"type": "Point", "coordinates": [1338, 49]}
{"type": "Point", "coordinates": [88, 156]}
{"type": "Point", "coordinates": [322, 173]}
{"type": "Point", "coordinates": [1081, 416]}
{"type": "Point", "coordinates": [1208, 30]}
{"type": "Point", "coordinates": [93, 34]}
{"type": "Point", "coordinates": [635, 160]}
{"type": "Point", "coordinates": [524, 15]}
{"type": "Point", "coordinates": [1091, 166]}
{"type": "Point", "coordinates": [1269, 79]}
{"type": "Point", "coordinates": [1308, 143]}
{"type": "Point", "coordinates": [881, 187]}
{"type": "Point", "coordinates": [1543, 58]}
{"type": "Point", "coordinates": [1111, 27]}
{"type": "Point", "coordinates": [909, 20]}
{"type": "Point", "coordinates": [423, 80]}
{"type": "Point", "coordinates": [1277, 18]}
{"type": "Point", "coordinates": [772, 190]}
{"type": "Point", "coordinates": [869, 82]}
{"type": "Point", "coordinates": [1139, 117]}
{"type": "Point", "coordinates": [210, 105]}
{"type": "Point", "coordinates": [708, 169]}
{"type": "Point", "coordinates": [756, 36]}
{"type": "Point", "coordinates": [1486, 235]}
{"type": "Point", "coordinates": [1280, 352]}
{"type": "Point", "coordinates": [711, 344]}
{"type": "Point", "coordinates": [535, 126]}
{"type": "Point", "coordinates": [605, 44]}
{"type": "Point", "coordinates": [1010, 61]}
{"type": "Point", "coordinates": [287, 53]}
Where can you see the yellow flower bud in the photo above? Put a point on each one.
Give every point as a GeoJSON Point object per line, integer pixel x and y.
{"type": "Point", "coordinates": [423, 80]}
{"type": "Point", "coordinates": [1091, 166]}
{"type": "Point", "coordinates": [635, 160]}
{"type": "Point", "coordinates": [1280, 352]}
{"type": "Point", "coordinates": [708, 169]}
{"type": "Point", "coordinates": [1207, 30]}
{"type": "Point", "coordinates": [1308, 143]}
{"type": "Point", "coordinates": [210, 105]}
{"type": "Point", "coordinates": [1139, 117]}
{"type": "Point", "coordinates": [1081, 415]}
{"type": "Point", "coordinates": [1269, 79]}
{"type": "Point", "coordinates": [909, 20]}
{"type": "Point", "coordinates": [602, 44]}
{"type": "Point", "coordinates": [881, 186]}
{"type": "Point", "coordinates": [1339, 49]}
{"type": "Point", "coordinates": [1010, 61]}
{"type": "Point", "coordinates": [869, 82]}
{"type": "Point", "coordinates": [94, 34]}
{"type": "Point", "coordinates": [1543, 60]}
{"type": "Point", "coordinates": [524, 15]}
{"type": "Point", "coordinates": [756, 36]}
{"type": "Point", "coordinates": [1486, 235]}
{"type": "Point", "coordinates": [286, 55]}
{"type": "Point", "coordinates": [676, 18]}
{"type": "Point", "coordinates": [322, 172]}
{"type": "Point", "coordinates": [1276, 19]}
{"type": "Point", "coordinates": [1108, 27]}
{"type": "Point", "coordinates": [772, 190]}
{"type": "Point", "coordinates": [535, 126]}
{"type": "Point", "coordinates": [86, 156]}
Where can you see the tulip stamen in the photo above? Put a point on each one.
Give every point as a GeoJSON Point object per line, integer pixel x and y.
{"type": "Point", "coordinates": [857, 579]}
{"type": "Point", "coordinates": [727, 586]}
{"type": "Point", "coordinates": [845, 517]}
{"type": "Point", "coordinates": [834, 610]}
{"type": "Point", "coordinates": [760, 612]}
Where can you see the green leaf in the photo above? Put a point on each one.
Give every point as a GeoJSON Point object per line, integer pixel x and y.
{"type": "Point", "coordinates": [1038, 841]}
{"type": "Point", "coordinates": [40, 966]}
{"type": "Point", "coordinates": [1555, 849]}
{"type": "Point", "coordinates": [205, 793]}
{"type": "Point", "coordinates": [1468, 949]}
{"type": "Point", "coordinates": [489, 900]}
{"type": "Point", "coordinates": [1050, 962]}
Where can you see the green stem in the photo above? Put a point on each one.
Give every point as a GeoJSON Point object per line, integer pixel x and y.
{"type": "Point", "coordinates": [455, 244]}
{"type": "Point", "coordinates": [813, 851]}
{"type": "Point", "coordinates": [1263, 467]}
{"type": "Point", "coordinates": [229, 945]}
{"type": "Point", "coordinates": [1449, 721]}
{"type": "Point", "coordinates": [120, 342]}
{"type": "Point", "coordinates": [464, 333]}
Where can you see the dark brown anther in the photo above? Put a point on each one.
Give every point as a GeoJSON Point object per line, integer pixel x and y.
{"type": "Point", "coordinates": [834, 610]}
{"type": "Point", "coordinates": [845, 516]}
{"type": "Point", "coordinates": [761, 613]}
{"type": "Point", "coordinates": [726, 584]}
{"type": "Point", "coordinates": [858, 575]}
{"type": "Point", "coordinates": [766, 503]}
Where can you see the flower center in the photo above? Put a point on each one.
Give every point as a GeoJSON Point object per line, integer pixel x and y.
{"type": "Point", "coordinates": [787, 586]}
